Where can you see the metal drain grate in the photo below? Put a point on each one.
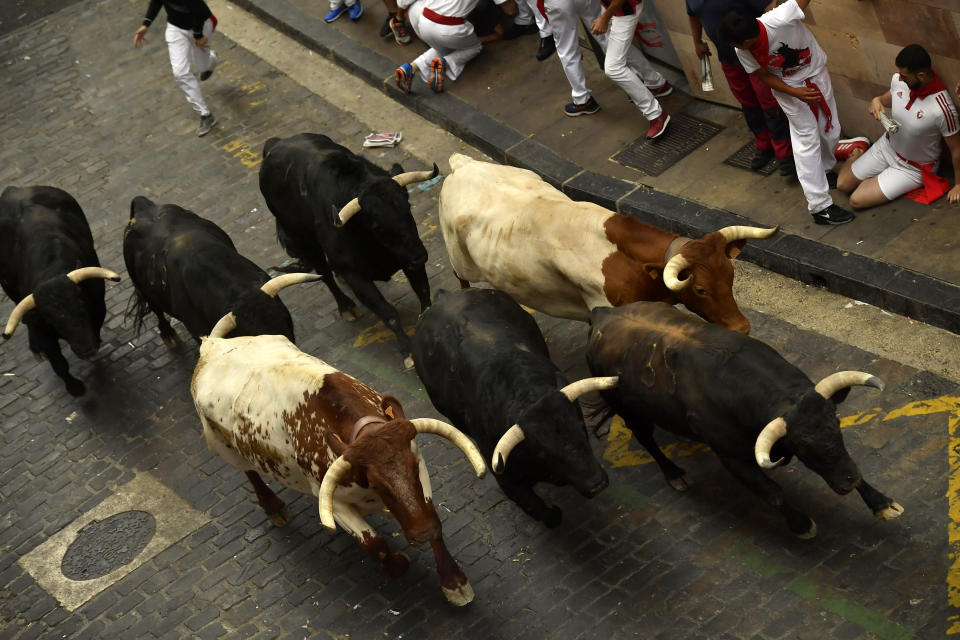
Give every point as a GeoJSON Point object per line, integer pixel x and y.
{"type": "Point", "coordinates": [683, 135]}
{"type": "Point", "coordinates": [741, 159]}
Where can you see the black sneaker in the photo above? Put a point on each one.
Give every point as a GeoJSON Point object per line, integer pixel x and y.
{"type": "Point", "coordinates": [517, 30]}
{"type": "Point", "coordinates": [385, 30]}
{"type": "Point", "coordinates": [833, 215]}
{"type": "Point", "coordinates": [547, 47]}
{"type": "Point", "coordinates": [831, 179]}
{"type": "Point", "coordinates": [206, 123]}
{"type": "Point", "coordinates": [587, 108]}
{"type": "Point", "coordinates": [761, 158]}
{"type": "Point", "coordinates": [787, 166]}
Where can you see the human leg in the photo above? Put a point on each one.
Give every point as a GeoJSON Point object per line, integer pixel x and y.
{"type": "Point", "coordinates": [179, 45]}
{"type": "Point", "coordinates": [563, 25]}
{"type": "Point", "coordinates": [774, 118]}
{"type": "Point", "coordinates": [619, 40]}
{"type": "Point", "coordinates": [805, 139]}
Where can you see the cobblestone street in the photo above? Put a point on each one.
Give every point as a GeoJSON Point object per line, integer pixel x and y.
{"type": "Point", "coordinates": [86, 112]}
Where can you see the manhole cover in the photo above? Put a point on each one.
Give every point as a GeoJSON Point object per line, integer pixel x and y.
{"type": "Point", "coordinates": [683, 135]}
{"type": "Point", "coordinates": [105, 545]}
{"type": "Point", "coordinates": [741, 159]}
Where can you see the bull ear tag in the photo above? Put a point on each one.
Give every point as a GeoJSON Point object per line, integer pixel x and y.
{"type": "Point", "coordinates": [652, 269]}
{"type": "Point", "coordinates": [389, 412]}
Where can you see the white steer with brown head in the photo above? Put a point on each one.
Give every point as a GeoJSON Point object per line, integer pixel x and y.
{"type": "Point", "coordinates": [506, 226]}
{"type": "Point", "coordinates": [267, 407]}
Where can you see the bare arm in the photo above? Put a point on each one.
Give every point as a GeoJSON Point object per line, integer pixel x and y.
{"type": "Point", "coordinates": [953, 143]}
{"type": "Point", "coordinates": [802, 4]}
{"type": "Point", "coordinates": [601, 24]}
{"type": "Point", "coordinates": [878, 103]}
{"type": "Point", "coordinates": [696, 28]}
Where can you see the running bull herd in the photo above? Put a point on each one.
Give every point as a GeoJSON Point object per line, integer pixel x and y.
{"type": "Point", "coordinates": [268, 408]}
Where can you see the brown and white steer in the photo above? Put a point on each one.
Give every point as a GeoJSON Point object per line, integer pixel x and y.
{"type": "Point", "coordinates": [506, 226]}
{"type": "Point", "coordinates": [267, 407]}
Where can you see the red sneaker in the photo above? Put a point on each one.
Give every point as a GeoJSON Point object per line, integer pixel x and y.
{"type": "Point", "coordinates": [657, 126]}
{"type": "Point", "coordinates": [845, 148]}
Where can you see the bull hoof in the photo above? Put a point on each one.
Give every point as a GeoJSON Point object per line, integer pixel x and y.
{"type": "Point", "coordinates": [890, 512]}
{"type": "Point", "coordinates": [39, 357]}
{"type": "Point", "coordinates": [681, 483]}
{"type": "Point", "coordinates": [461, 596]}
{"type": "Point", "coordinates": [281, 517]}
{"type": "Point", "coordinates": [408, 362]}
{"type": "Point", "coordinates": [809, 533]}
{"type": "Point", "coordinates": [75, 387]}
{"type": "Point", "coordinates": [395, 565]}
{"type": "Point", "coordinates": [350, 315]}
{"type": "Point", "coordinates": [171, 341]}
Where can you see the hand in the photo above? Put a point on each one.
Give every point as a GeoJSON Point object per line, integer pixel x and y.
{"type": "Point", "coordinates": [509, 8]}
{"type": "Point", "coordinates": [600, 25]}
{"type": "Point", "coordinates": [807, 94]}
{"type": "Point", "coordinates": [701, 48]}
{"type": "Point", "coordinates": [201, 42]}
{"type": "Point", "coordinates": [953, 196]}
{"type": "Point", "coordinates": [876, 108]}
{"type": "Point", "coordinates": [140, 37]}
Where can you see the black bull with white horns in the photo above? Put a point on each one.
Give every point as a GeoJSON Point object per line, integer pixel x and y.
{"type": "Point", "coordinates": [732, 392]}
{"type": "Point", "coordinates": [337, 212]}
{"type": "Point", "coordinates": [485, 365]}
{"type": "Point", "coordinates": [48, 265]}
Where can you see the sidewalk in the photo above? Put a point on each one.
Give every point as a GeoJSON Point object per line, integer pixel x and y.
{"type": "Point", "coordinates": [902, 257]}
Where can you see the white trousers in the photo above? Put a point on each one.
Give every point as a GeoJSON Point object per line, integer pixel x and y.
{"type": "Point", "coordinates": [455, 43]}
{"type": "Point", "coordinates": [813, 145]}
{"type": "Point", "coordinates": [182, 47]}
{"type": "Point", "coordinates": [528, 13]}
{"type": "Point", "coordinates": [619, 44]}
{"type": "Point", "coordinates": [564, 16]}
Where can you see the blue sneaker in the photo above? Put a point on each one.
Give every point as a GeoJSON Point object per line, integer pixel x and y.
{"type": "Point", "coordinates": [335, 13]}
{"type": "Point", "coordinates": [437, 69]}
{"type": "Point", "coordinates": [404, 76]}
{"type": "Point", "coordinates": [356, 10]}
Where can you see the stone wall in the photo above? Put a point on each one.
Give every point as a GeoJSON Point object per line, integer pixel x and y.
{"type": "Point", "coordinates": [861, 39]}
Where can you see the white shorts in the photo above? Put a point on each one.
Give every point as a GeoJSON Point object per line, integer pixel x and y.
{"type": "Point", "coordinates": [894, 176]}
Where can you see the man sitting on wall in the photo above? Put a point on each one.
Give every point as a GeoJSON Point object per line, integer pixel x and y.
{"type": "Point", "coordinates": [904, 160]}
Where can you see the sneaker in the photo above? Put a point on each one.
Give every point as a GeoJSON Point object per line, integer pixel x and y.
{"type": "Point", "coordinates": [845, 148]}
{"type": "Point", "coordinates": [547, 47]}
{"type": "Point", "coordinates": [385, 31]}
{"type": "Point", "coordinates": [356, 10]}
{"type": "Point", "coordinates": [831, 179]}
{"type": "Point", "coordinates": [206, 123]}
{"type": "Point", "coordinates": [787, 166]}
{"type": "Point", "coordinates": [334, 14]}
{"type": "Point", "coordinates": [664, 89]}
{"type": "Point", "coordinates": [833, 215]}
{"type": "Point", "coordinates": [761, 158]}
{"type": "Point", "coordinates": [399, 31]}
{"type": "Point", "coordinates": [587, 108]}
{"type": "Point", "coordinates": [657, 126]}
{"type": "Point", "coordinates": [437, 67]}
{"type": "Point", "coordinates": [516, 30]}
{"type": "Point", "coordinates": [404, 76]}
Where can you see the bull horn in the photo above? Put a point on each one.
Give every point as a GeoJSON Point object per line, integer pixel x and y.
{"type": "Point", "coordinates": [508, 441]}
{"type": "Point", "coordinates": [843, 379]}
{"type": "Point", "coordinates": [674, 266]}
{"type": "Point", "coordinates": [410, 177]}
{"type": "Point", "coordinates": [331, 479]}
{"type": "Point", "coordinates": [457, 437]}
{"type": "Point", "coordinates": [576, 389]}
{"type": "Point", "coordinates": [85, 273]}
{"type": "Point", "coordinates": [224, 325]}
{"type": "Point", "coordinates": [22, 307]}
{"type": "Point", "coordinates": [273, 286]}
{"type": "Point", "coordinates": [740, 232]}
{"type": "Point", "coordinates": [349, 210]}
{"type": "Point", "coordinates": [775, 429]}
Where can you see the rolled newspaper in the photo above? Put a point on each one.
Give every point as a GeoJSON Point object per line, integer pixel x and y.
{"type": "Point", "coordinates": [891, 125]}
{"type": "Point", "coordinates": [706, 74]}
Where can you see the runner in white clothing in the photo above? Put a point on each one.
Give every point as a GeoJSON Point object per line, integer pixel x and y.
{"type": "Point", "coordinates": [783, 54]}
{"type": "Point", "coordinates": [442, 24]}
{"type": "Point", "coordinates": [904, 161]}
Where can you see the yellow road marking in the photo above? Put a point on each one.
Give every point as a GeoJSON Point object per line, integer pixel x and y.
{"type": "Point", "coordinates": [378, 333]}
{"type": "Point", "coordinates": [242, 151]}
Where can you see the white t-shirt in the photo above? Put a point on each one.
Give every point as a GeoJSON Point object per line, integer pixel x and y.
{"type": "Point", "coordinates": [921, 127]}
{"type": "Point", "coordinates": [794, 54]}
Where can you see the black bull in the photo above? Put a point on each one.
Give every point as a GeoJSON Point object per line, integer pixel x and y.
{"type": "Point", "coordinates": [337, 212]}
{"type": "Point", "coordinates": [48, 265]}
{"type": "Point", "coordinates": [187, 267]}
{"type": "Point", "coordinates": [485, 365]}
{"type": "Point", "coordinates": [732, 392]}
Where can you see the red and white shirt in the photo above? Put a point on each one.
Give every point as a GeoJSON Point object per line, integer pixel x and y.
{"type": "Point", "coordinates": [923, 124]}
{"type": "Point", "coordinates": [786, 47]}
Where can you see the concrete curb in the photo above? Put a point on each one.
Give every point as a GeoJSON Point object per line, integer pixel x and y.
{"type": "Point", "coordinates": [887, 286]}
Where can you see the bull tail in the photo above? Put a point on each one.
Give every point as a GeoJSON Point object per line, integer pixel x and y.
{"type": "Point", "coordinates": [596, 412]}
{"type": "Point", "coordinates": [137, 310]}
{"type": "Point", "coordinates": [458, 160]}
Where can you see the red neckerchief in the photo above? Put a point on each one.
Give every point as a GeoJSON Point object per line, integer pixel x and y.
{"type": "Point", "coordinates": [928, 89]}
{"type": "Point", "coordinates": [822, 104]}
{"type": "Point", "coordinates": [761, 48]}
